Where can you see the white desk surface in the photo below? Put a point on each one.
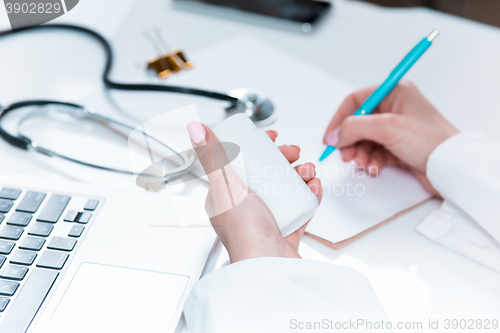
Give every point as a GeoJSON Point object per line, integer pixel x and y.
{"type": "Point", "coordinates": [359, 43]}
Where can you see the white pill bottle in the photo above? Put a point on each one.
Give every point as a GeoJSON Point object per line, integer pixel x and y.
{"type": "Point", "coordinates": [268, 173]}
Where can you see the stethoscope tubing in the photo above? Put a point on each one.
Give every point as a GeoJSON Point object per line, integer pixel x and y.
{"type": "Point", "coordinates": [109, 64]}
{"type": "Point", "coordinates": [24, 142]}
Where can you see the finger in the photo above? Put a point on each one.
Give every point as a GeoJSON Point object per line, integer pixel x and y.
{"type": "Point", "coordinates": [306, 171]}
{"type": "Point", "coordinates": [363, 151]}
{"type": "Point", "coordinates": [272, 134]}
{"type": "Point", "coordinates": [347, 108]}
{"type": "Point", "coordinates": [376, 163]}
{"type": "Point", "coordinates": [390, 160]}
{"type": "Point", "coordinates": [207, 146]}
{"type": "Point", "coordinates": [300, 232]}
{"type": "Point", "coordinates": [379, 128]}
{"type": "Point", "coordinates": [292, 153]}
{"type": "Point", "coordinates": [225, 185]}
{"type": "Point", "coordinates": [315, 186]}
{"type": "Point", "coordinates": [296, 236]}
{"type": "Point", "coordinates": [348, 153]}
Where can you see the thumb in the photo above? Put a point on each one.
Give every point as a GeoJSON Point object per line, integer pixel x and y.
{"type": "Point", "coordinates": [209, 149]}
{"type": "Point", "coordinates": [379, 128]}
{"type": "Point", "coordinates": [226, 188]}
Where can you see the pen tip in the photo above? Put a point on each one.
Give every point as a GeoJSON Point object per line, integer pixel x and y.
{"type": "Point", "coordinates": [327, 152]}
{"type": "Point", "coordinates": [433, 35]}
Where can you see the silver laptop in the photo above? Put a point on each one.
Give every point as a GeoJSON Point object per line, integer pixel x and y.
{"type": "Point", "coordinates": [80, 258]}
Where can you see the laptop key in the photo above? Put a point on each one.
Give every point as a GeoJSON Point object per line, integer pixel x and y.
{"type": "Point", "coordinates": [32, 243]}
{"type": "Point", "coordinates": [2, 260]}
{"type": "Point", "coordinates": [76, 231]}
{"type": "Point", "coordinates": [12, 272]}
{"type": "Point", "coordinates": [20, 219]}
{"type": "Point", "coordinates": [31, 202]}
{"type": "Point", "coordinates": [10, 193]}
{"type": "Point", "coordinates": [62, 243]}
{"type": "Point", "coordinates": [71, 216]}
{"type": "Point", "coordinates": [30, 298]}
{"type": "Point", "coordinates": [91, 204]}
{"type": "Point", "coordinates": [8, 288]}
{"type": "Point", "coordinates": [84, 217]}
{"type": "Point", "coordinates": [6, 246]}
{"type": "Point", "coordinates": [4, 301]}
{"type": "Point", "coordinates": [5, 205]}
{"type": "Point", "coordinates": [23, 257]}
{"type": "Point", "coordinates": [11, 232]}
{"type": "Point", "coordinates": [41, 229]}
{"type": "Point", "coordinates": [54, 208]}
{"type": "Point", "coordinates": [52, 259]}
{"type": "Point", "coordinates": [2, 216]}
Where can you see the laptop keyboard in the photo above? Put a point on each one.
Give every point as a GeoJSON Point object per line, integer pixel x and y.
{"type": "Point", "coordinates": [39, 233]}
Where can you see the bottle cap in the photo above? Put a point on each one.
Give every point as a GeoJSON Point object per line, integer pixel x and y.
{"type": "Point", "coordinates": [234, 128]}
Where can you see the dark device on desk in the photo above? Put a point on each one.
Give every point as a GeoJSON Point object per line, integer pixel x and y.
{"type": "Point", "coordinates": [302, 11]}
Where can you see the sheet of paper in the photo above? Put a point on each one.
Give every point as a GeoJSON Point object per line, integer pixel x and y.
{"type": "Point", "coordinates": [354, 202]}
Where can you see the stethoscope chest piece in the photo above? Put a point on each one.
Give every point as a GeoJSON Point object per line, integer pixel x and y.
{"type": "Point", "coordinates": [256, 106]}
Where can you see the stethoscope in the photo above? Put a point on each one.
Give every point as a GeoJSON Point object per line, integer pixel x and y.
{"type": "Point", "coordinates": [80, 112]}
{"type": "Point", "coordinates": [258, 108]}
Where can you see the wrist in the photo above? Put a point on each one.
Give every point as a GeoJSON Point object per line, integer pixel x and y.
{"type": "Point", "coordinates": [442, 138]}
{"type": "Point", "coordinates": [274, 246]}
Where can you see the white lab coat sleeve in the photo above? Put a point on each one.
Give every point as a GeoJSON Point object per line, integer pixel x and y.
{"type": "Point", "coordinates": [282, 295]}
{"type": "Point", "coordinates": [464, 170]}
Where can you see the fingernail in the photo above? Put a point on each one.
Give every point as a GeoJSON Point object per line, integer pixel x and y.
{"type": "Point", "coordinates": [332, 138]}
{"type": "Point", "coordinates": [196, 131]}
{"type": "Point", "coordinates": [294, 146]}
{"type": "Point", "coordinates": [372, 170]}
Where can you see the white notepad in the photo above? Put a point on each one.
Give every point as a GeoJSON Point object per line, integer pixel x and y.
{"type": "Point", "coordinates": [354, 202]}
{"type": "Point", "coordinates": [306, 99]}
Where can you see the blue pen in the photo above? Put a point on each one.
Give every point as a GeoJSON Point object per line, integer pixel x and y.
{"type": "Point", "coordinates": [385, 88]}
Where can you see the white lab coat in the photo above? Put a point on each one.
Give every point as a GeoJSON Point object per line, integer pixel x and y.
{"type": "Point", "coordinates": [465, 170]}
{"type": "Point", "coordinates": [290, 295]}
{"type": "Point", "coordinates": [281, 295]}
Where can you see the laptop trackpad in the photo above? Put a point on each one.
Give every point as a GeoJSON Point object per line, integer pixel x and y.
{"type": "Point", "coordinates": [115, 299]}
